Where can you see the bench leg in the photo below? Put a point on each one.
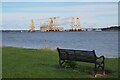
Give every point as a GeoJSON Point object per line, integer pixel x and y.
{"type": "Point", "coordinates": [95, 71]}
{"type": "Point", "coordinates": [103, 68]}
{"type": "Point", "coordinates": [60, 63]}
{"type": "Point", "coordinates": [99, 66]}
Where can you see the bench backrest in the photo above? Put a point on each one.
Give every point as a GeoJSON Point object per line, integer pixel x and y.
{"type": "Point", "coordinates": [77, 55]}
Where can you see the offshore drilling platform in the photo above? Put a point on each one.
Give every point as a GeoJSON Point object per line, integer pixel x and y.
{"type": "Point", "coordinates": [52, 25]}
{"type": "Point", "coordinates": [75, 25]}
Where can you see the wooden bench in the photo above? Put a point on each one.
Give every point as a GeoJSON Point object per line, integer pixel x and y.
{"type": "Point", "coordinates": [83, 56]}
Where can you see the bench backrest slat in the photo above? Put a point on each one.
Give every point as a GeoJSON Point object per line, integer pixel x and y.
{"type": "Point", "coordinates": [85, 55]}
{"type": "Point", "coordinates": [78, 55]}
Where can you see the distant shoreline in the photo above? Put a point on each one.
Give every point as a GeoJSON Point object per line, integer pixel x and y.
{"type": "Point", "coordinates": [29, 47]}
{"type": "Point", "coordinates": [57, 31]}
{"type": "Point", "coordinates": [108, 29]}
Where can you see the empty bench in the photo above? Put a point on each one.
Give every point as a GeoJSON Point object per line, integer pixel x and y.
{"type": "Point", "coordinates": [81, 55]}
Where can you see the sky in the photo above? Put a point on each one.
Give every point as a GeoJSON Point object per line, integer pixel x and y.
{"type": "Point", "coordinates": [17, 15]}
{"type": "Point", "coordinates": [59, 0]}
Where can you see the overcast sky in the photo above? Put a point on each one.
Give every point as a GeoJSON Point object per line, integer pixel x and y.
{"type": "Point", "coordinates": [17, 15]}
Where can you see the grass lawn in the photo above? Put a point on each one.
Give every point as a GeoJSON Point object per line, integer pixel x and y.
{"type": "Point", "coordinates": [43, 63]}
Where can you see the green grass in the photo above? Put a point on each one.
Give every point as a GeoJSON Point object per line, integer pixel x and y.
{"type": "Point", "coordinates": [43, 63]}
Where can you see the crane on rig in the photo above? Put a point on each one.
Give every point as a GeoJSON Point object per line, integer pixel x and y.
{"type": "Point", "coordinates": [32, 27]}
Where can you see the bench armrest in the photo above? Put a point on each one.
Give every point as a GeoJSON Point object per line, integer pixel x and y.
{"type": "Point", "coordinates": [103, 58]}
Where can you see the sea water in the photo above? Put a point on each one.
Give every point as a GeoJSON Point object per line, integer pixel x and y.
{"type": "Point", "coordinates": [104, 43]}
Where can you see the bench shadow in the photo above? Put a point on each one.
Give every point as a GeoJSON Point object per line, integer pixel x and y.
{"type": "Point", "coordinates": [86, 69]}
{"type": "Point", "coordinates": [82, 68]}
{"type": "Point", "coordinates": [90, 70]}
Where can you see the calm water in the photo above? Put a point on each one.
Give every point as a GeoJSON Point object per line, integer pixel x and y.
{"type": "Point", "coordinates": [105, 43]}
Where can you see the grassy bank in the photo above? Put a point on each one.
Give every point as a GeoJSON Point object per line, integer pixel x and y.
{"type": "Point", "coordinates": [43, 63]}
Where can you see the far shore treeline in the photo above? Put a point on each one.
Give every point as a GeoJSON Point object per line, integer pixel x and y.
{"type": "Point", "coordinates": [113, 28]}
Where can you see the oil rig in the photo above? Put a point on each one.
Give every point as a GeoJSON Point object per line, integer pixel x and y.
{"type": "Point", "coordinates": [52, 25]}
{"type": "Point", "coordinates": [75, 24]}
